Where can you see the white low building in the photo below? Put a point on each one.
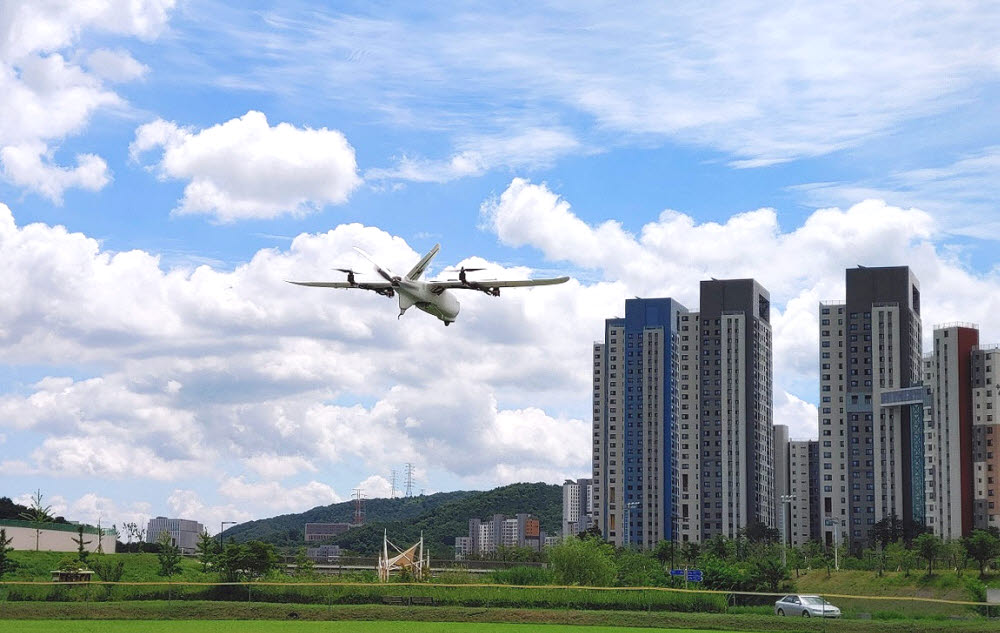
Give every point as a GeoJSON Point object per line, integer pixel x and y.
{"type": "Point", "coordinates": [57, 537]}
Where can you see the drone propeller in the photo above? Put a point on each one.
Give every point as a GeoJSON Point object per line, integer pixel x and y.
{"type": "Point", "coordinates": [384, 272]}
{"type": "Point", "coordinates": [350, 275]}
{"type": "Point", "coordinates": [461, 272]}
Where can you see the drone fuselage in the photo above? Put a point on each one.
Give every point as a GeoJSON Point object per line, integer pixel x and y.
{"type": "Point", "coordinates": [441, 304]}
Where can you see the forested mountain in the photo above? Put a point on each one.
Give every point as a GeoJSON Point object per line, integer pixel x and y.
{"type": "Point", "coordinates": [441, 517]}
{"type": "Point", "coordinates": [11, 510]}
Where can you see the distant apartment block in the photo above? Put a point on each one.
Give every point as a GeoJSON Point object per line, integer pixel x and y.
{"type": "Point", "coordinates": [871, 405]}
{"type": "Point", "coordinates": [803, 484]}
{"type": "Point", "coordinates": [578, 506]}
{"type": "Point", "coordinates": [324, 531]}
{"type": "Point", "coordinates": [323, 553]}
{"type": "Point", "coordinates": [184, 534]}
{"type": "Point", "coordinates": [485, 537]}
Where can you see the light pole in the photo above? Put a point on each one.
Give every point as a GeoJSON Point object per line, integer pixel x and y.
{"type": "Point", "coordinates": [836, 541]}
{"type": "Point", "coordinates": [222, 528]}
{"type": "Point", "coordinates": [786, 503]}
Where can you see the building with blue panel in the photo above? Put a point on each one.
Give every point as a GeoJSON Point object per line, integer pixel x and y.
{"type": "Point", "coordinates": [635, 410]}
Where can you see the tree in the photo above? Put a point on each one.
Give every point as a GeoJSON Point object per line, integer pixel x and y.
{"type": "Point", "coordinates": [39, 514]}
{"type": "Point", "coordinates": [982, 547]}
{"type": "Point", "coordinates": [263, 558]}
{"type": "Point", "coordinates": [796, 559]}
{"type": "Point", "coordinates": [583, 562]}
{"type": "Point", "coordinates": [880, 557]}
{"type": "Point", "coordinates": [108, 569]}
{"type": "Point", "coordinates": [81, 545]}
{"type": "Point", "coordinates": [928, 546]}
{"type": "Point", "coordinates": [6, 564]}
{"type": "Point", "coordinates": [169, 555]}
{"type": "Point", "coordinates": [638, 569]}
{"type": "Point", "coordinates": [770, 571]}
{"type": "Point", "coordinates": [689, 553]}
{"type": "Point", "coordinates": [757, 532]}
{"type": "Point", "coordinates": [304, 566]}
{"type": "Point", "coordinates": [207, 547]}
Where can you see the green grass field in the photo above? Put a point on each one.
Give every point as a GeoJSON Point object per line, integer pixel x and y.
{"type": "Point", "coordinates": [244, 626]}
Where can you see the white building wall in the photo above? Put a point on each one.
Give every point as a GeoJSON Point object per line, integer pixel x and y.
{"type": "Point", "coordinates": [24, 538]}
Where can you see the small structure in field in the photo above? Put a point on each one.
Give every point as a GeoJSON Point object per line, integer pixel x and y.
{"type": "Point", "coordinates": [409, 561]}
{"type": "Point", "coordinates": [72, 575]}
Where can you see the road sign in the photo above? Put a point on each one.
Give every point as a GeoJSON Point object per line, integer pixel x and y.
{"type": "Point", "coordinates": [694, 575]}
{"type": "Point", "coordinates": [676, 572]}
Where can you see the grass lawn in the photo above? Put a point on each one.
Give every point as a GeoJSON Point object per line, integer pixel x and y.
{"type": "Point", "coordinates": [263, 626]}
{"type": "Point", "coordinates": [28, 617]}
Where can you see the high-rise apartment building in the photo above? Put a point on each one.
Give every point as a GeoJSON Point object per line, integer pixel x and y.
{"type": "Point", "coordinates": [871, 404]}
{"type": "Point", "coordinates": [803, 482]}
{"type": "Point", "coordinates": [682, 417]}
{"type": "Point", "coordinates": [986, 437]}
{"type": "Point", "coordinates": [737, 437]}
{"type": "Point", "coordinates": [634, 412]}
{"type": "Point", "coordinates": [578, 506]}
{"type": "Point", "coordinates": [947, 373]}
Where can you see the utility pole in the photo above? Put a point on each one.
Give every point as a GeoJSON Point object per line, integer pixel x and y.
{"type": "Point", "coordinates": [409, 479]}
{"type": "Point", "coordinates": [359, 506]}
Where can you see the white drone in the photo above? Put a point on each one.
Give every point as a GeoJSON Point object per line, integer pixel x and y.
{"type": "Point", "coordinates": [430, 296]}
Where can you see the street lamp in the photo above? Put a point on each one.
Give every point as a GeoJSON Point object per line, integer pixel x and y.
{"type": "Point", "coordinates": [836, 541]}
{"type": "Point", "coordinates": [222, 528]}
{"type": "Point", "coordinates": [786, 503]}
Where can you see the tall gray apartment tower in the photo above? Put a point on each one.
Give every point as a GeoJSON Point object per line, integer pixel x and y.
{"type": "Point", "coordinates": [736, 426]}
{"type": "Point", "coordinates": [871, 413]}
{"type": "Point", "coordinates": [683, 442]}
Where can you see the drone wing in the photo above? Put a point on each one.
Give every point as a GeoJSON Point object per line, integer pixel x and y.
{"type": "Point", "coordinates": [377, 286]}
{"type": "Point", "coordinates": [480, 284]}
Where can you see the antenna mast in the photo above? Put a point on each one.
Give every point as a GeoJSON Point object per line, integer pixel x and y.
{"type": "Point", "coordinates": [359, 506]}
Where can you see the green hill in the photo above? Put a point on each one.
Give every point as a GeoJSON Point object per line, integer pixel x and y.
{"type": "Point", "coordinates": [441, 517]}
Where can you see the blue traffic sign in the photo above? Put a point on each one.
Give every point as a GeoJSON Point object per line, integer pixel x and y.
{"type": "Point", "coordinates": [694, 575]}
{"type": "Point", "coordinates": [676, 572]}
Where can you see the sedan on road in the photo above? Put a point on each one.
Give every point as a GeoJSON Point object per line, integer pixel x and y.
{"type": "Point", "coordinates": [805, 606]}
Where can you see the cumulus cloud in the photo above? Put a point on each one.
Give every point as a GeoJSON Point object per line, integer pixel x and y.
{"type": "Point", "coordinates": [671, 254]}
{"type": "Point", "coordinates": [48, 96]}
{"type": "Point", "coordinates": [275, 496]}
{"type": "Point", "coordinates": [271, 466]}
{"type": "Point", "coordinates": [188, 504]}
{"type": "Point", "coordinates": [245, 168]}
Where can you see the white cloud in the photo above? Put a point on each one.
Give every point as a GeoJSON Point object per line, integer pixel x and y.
{"type": "Point", "coordinates": [274, 496]}
{"type": "Point", "coordinates": [670, 255]}
{"type": "Point", "coordinates": [274, 466]}
{"type": "Point", "coordinates": [530, 148]}
{"type": "Point", "coordinates": [117, 65]}
{"type": "Point", "coordinates": [376, 487]}
{"type": "Point", "coordinates": [187, 504]}
{"type": "Point", "coordinates": [760, 83]}
{"type": "Point", "coordinates": [244, 168]}
{"type": "Point", "coordinates": [962, 192]}
{"type": "Point", "coordinates": [48, 96]}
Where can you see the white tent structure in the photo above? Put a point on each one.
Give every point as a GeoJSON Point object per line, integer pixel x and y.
{"type": "Point", "coordinates": [411, 559]}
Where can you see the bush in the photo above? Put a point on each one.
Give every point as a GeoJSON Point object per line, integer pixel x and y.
{"type": "Point", "coordinates": [108, 569]}
{"type": "Point", "coordinates": [583, 562]}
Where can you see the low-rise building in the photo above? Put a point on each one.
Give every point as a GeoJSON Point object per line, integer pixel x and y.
{"type": "Point", "coordinates": [57, 537]}
{"type": "Point", "coordinates": [184, 533]}
{"type": "Point", "coordinates": [323, 553]}
{"type": "Point", "coordinates": [324, 531]}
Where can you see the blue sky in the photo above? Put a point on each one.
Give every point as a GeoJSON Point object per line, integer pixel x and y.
{"type": "Point", "coordinates": [196, 154]}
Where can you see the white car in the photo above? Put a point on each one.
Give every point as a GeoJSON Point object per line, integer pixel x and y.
{"type": "Point", "coordinates": [805, 606]}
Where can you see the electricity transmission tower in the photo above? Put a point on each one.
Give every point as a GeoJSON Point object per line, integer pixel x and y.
{"type": "Point", "coordinates": [392, 483]}
{"type": "Point", "coordinates": [409, 479]}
